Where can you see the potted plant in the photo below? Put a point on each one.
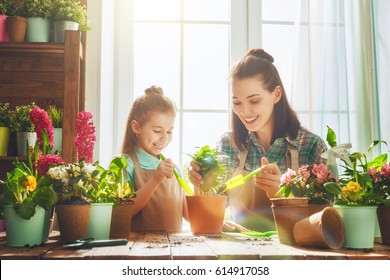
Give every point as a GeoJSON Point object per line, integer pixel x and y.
{"type": "Point", "coordinates": [5, 122]}
{"type": "Point", "coordinates": [122, 192]}
{"type": "Point", "coordinates": [206, 208]}
{"type": "Point", "coordinates": [381, 179]}
{"type": "Point", "coordinates": [37, 13]}
{"type": "Point", "coordinates": [308, 182]}
{"type": "Point", "coordinates": [68, 15]}
{"type": "Point", "coordinates": [23, 127]}
{"type": "Point", "coordinates": [303, 194]}
{"type": "Point", "coordinates": [56, 116]}
{"type": "Point", "coordinates": [16, 22]}
{"type": "Point", "coordinates": [101, 205]}
{"type": "Point", "coordinates": [356, 199]}
{"type": "Point", "coordinates": [26, 197]}
{"type": "Point", "coordinates": [76, 183]}
{"type": "Point", "coordinates": [7, 7]}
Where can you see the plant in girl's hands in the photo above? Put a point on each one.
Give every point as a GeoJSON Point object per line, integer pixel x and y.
{"type": "Point", "coordinates": [308, 182]}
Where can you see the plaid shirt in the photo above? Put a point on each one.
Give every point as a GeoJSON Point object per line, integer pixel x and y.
{"type": "Point", "coordinates": [310, 147]}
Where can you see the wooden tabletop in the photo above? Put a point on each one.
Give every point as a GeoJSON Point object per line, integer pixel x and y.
{"type": "Point", "coordinates": [187, 246]}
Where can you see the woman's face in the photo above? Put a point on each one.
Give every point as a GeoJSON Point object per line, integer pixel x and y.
{"type": "Point", "coordinates": [253, 104]}
{"type": "Point", "coordinates": [156, 133]}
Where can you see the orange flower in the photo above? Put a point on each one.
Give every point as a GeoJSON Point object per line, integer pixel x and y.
{"type": "Point", "coordinates": [31, 183]}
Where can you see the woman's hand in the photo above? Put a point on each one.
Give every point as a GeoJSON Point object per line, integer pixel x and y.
{"type": "Point", "coordinates": [194, 175]}
{"type": "Point", "coordinates": [232, 226]}
{"type": "Point", "coordinates": [269, 179]}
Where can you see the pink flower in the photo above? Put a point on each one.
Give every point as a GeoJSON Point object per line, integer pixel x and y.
{"type": "Point", "coordinates": [321, 172]}
{"type": "Point", "coordinates": [372, 171]}
{"type": "Point", "coordinates": [44, 162]}
{"type": "Point", "coordinates": [287, 177]}
{"type": "Point", "coordinates": [85, 136]}
{"type": "Point", "coordinates": [41, 121]}
{"type": "Point", "coordinates": [304, 172]}
{"type": "Point", "coordinates": [385, 170]}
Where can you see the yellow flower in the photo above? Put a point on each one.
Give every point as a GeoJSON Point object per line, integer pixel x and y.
{"type": "Point", "coordinates": [31, 183]}
{"type": "Point", "coordinates": [352, 190]}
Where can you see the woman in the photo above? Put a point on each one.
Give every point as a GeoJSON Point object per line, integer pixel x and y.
{"type": "Point", "coordinates": [265, 132]}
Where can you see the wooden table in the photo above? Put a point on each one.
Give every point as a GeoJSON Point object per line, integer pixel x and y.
{"type": "Point", "coordinates": [187, 246]}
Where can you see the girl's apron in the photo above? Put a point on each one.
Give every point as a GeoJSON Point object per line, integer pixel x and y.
{"type": "Point", "coordinates": [164, 210]}
{"type": "Point", "coordinates": [250, 205]}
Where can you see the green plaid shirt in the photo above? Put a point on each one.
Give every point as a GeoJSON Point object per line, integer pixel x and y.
{"type": "Point", "coordinates": [310, 147]}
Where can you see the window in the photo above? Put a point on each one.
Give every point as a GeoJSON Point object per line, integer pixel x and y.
{"type": "Point", "coordinates": [183, 46]}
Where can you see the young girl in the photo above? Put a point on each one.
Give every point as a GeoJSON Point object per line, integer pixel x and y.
{"type": "Point", "coordinates": [160, 203]}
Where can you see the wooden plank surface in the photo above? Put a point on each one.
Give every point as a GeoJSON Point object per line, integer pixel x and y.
{"type": "Point", "coordinates": [186, 246]}
{"type": "Point", "coordinates": [150, 246]}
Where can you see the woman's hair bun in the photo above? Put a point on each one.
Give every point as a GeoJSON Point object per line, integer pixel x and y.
{"type": "Point", "coordinates": [154, 90]}
{"type": "Point", "coordinates": [260, 53]}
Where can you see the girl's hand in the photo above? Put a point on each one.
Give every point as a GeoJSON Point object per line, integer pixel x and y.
{"type": "Point", "coordinates": [269, 179]}
{"type": "Point", "coordinates": [165, 169]}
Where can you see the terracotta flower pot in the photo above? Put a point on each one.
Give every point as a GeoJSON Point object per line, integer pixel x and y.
{"type": "Point", "coordinates": [206, 213]}
{"type": "Point", "coordinates": [324, 229]}
{"type": "Point", "coordinates": [316, 207]}
{"type": "Point", "coordinates": [73, 221]}
{"type": "Point", "coordinates": [121, 220]}
{"type": "Point", "coordinates": [384, 223]}
{"type": "Point", "coordinates": [288, 211]}
{"type": "Point", "coordinates": [16, 28]}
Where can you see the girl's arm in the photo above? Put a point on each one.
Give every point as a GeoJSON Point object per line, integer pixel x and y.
{"type": "Point", "coordinates": [164, 170]}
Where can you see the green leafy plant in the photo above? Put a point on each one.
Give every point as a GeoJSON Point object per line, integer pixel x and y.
{"type": "Point", "coordinates": [355, 186]}
{"type": "Point", "coordinates": [119, 187]}
{"type": "Point", "coordinates": [24, 188]}
{"type": "Point", "coordinates": [212, 169]}
{"type": "Point", "coordinates": [20, 118]}
{"type": "Point", "coordinates": [37, 8]}
{"type": "Point", "coordinates": [70, 10]}
{"type": "Point", "coordinates": [5, 115]}
{"type": "Point", "coordinates": [56, 115]}
{"type": "Point", "coordinates": [7, 7]}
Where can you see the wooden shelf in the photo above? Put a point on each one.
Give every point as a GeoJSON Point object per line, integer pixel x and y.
{"type": "Point", "coordinates": [47, 74]}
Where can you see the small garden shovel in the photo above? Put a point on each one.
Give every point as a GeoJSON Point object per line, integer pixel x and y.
{"type": "Point", "coordinates": [239, 180]}
{"type": "Point", "coordinates": [181, 181]}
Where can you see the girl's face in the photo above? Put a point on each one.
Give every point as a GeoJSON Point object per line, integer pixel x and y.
{"type": "Point", "coordinates": [253, 104]}
{"type": "Point", "coordinates": [156, 133]}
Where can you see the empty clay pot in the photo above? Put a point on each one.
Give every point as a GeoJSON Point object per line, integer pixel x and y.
{"type": "Point", "coordinates": [288, 211]}
{"type": "Point", "coordinates": [324, 229]}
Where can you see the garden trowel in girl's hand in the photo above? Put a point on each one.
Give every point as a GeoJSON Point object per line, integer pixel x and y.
{"type": "Point", "coordinates": [181, 181]}
{"type": "Point", "coordinates": [238, 180]}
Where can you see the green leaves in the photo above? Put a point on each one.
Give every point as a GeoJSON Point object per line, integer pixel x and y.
{"type": "Point", "coordinates": [212, 168]}
{"type": "Point", "coordinates": [331, 137]}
